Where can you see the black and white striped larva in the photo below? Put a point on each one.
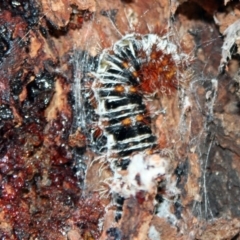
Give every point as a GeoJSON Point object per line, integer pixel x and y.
{"type": "Point", "coordinates": [125, 75]}
{"type": "Point", "coordinates": [136, 65]}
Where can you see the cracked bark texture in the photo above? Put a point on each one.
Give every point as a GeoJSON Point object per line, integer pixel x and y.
{"type": "Point", "coordinates": [41, 195]}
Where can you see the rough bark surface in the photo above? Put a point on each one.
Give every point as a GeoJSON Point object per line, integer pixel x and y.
{"type": "Point", "coordinates": [52, 184]}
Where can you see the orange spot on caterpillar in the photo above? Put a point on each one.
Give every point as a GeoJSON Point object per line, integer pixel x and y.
{"type": "Point", "coordinates": [141, 118]}
{"type": "Point", "coordinates": [125, 64]}
{"type": "Point", "coordinates": [119, 88]}
{"type": "Point", "coordinates": [133, 89]}
{"type": "Point", "coordinates": [135, 74]}
{"type": "Point", "coordinates": [126, 122]}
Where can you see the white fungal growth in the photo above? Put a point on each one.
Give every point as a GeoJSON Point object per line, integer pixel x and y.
{"type": "Point", "coordinates": [164, 211]}
{"type": "Point", "coordinates": [232, 36]}
{"type": "Point", "coordinates": [153, 234]}
{"type": "Point", "coordinates": [143, 174]}
{"type": "Point", "coordinates": [187, 105]}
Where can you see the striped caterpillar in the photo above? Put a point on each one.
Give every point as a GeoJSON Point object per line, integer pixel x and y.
{"type": "Point", "coordinates": [134, 68]}
{"type": "Point", "coordinates": [136, 65]}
